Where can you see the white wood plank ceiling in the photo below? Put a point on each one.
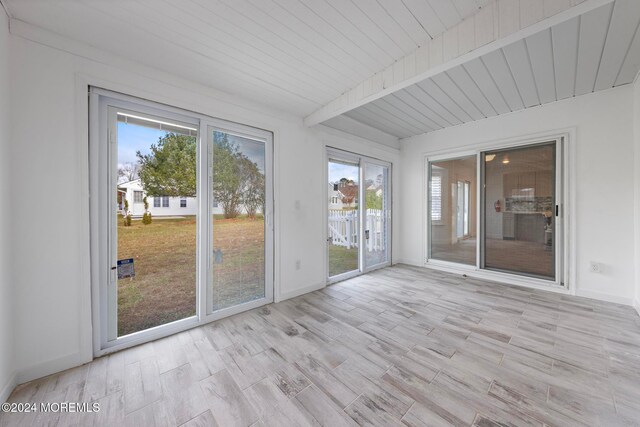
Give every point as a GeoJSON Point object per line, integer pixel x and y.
{"type": "Point", "coordinates": [594, 51]}
{"type": "Point", "coordinates": [296, 55]}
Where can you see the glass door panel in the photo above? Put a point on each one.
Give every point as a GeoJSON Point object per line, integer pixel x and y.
{"type": "Point", "coordinates": [343, 217]}
{"type": "Point", "coordinates": [519, 210]}
{"type": "Point", "coordinates": [238, 194]}
{"type": "Point", "coordinates": [452, 210]}
{"type": "Point", "coordinates": [153, 242]}
{"type": "Point", "coordinates": [377, 209]}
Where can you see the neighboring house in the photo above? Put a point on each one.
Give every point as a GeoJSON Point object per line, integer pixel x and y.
{"type": "Point", "coordinates": [336, 197]}
{"type": "Point", "coordinates": [133, 192]}
{"type": "Point", "coordinates": [377, 187]}
{"type": "Point", "coordinates": [161, 206]}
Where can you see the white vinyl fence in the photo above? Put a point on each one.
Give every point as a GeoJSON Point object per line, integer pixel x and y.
{"type": "Point", "coordinates": [343, 229]}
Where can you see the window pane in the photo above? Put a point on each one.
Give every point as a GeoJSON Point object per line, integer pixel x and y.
{"type": "Point", "coordinates": [376, 214]}
{"type": "Point", "coordinates": [453, 210]}
{"type": "Point", "coordinates": [343, 189]}
{"type": "Point", "coordinates": [239, 191]}
{"type": "Point", "coordinates": [159, 286]}
{"type": "Point", "coordinates": [519, 205]}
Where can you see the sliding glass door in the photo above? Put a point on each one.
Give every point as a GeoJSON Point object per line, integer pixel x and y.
{"type": "Point", "coordinates": [343, 217]}
{"type": "Point", "coordinates": [153, 250]}
{"type": "Point", "coordinates": [376, 215]}
{"type": "Point", "coordinates": [519, 210]}
{"type": "Point", "coordinates": [182, 228]}
{"type": "Point", "coordinates": [358, 215]}
{"type": "Point", "coordinates": [452, 210]}
{"type": "Point", "coordinates": [239, 194]}
{"type": "Point", "coordinates": [498, 210]}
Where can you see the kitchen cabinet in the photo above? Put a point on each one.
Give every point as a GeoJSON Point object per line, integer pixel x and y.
{"type": "Point", "coordinates": [541, 182]}
{"type": "Point", "coordinates": [544, 184]}
{"type": "Point", "coordinates": [509, 184]}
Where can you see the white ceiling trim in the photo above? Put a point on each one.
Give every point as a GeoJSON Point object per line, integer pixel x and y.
{"type": "Point", "coordinates": [497, 25]}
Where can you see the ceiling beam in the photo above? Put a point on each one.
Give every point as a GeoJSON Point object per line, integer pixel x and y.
{"type": "Point", "coordinates": [495, 26]}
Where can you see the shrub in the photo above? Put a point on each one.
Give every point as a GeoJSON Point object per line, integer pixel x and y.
{"type": "Point", "coordinates": [146, 218]}
{"type": "Point", "coordinates": [126, 214]}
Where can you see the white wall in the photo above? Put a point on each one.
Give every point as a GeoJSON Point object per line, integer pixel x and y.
{"type": "Point", "coordinates": [604, 171]}
{"type": "Point", "coordinates": [6, 284]}
{"type": "Point", "coordinates": [53, 324]}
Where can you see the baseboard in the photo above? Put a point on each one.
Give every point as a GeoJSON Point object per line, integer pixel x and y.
{"type": "Point", "coordinates": [411, 262]}
{"type": "Point", "coordinates": [50, 367]}
{"type": "Point", "coordinates": [8, 387]}
{"type": "Point", "coordinates": [301, 291]}
{"type": "Point", "coordinates": [605, 297]}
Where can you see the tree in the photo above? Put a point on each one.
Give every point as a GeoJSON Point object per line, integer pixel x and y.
{"type": "Point", "coordinates": [227, 180]}
{"type": "Point", "coordinates": [374, 201]}
{"type": "Point", "coordinates": [349, 190]}
{"type": "Point", "coordinates": [237, 180]}
{"type": "Point", "coordinates": [128, 171]}
{"type": "Point", "coordinates": [253, 195]}
{"type": "Point", "coordinates": [170, 168]}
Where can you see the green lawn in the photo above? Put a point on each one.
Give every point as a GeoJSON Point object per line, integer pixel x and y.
{"type": "Point", "coordinates": [164, 288]}
{"type": "Point", "coordinates": [342, 260]}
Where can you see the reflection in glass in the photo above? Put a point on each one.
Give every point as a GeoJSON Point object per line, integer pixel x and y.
{"type": "Point", "coordinates": [238, 194]}
{"type": "Point", "coordinates": [453, 210]}
{"type": "Point", "coordinates": [376, 181]}
{"type": "Point", "coordinates": [519, 206]}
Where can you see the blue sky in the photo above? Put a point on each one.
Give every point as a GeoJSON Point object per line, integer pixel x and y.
{"type": "Point", "coordinates": [133, 138]}
{"type": "Point", "coordinates": [339, 170]}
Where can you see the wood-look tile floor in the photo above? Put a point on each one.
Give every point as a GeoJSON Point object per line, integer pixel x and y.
{"type": "Point", "coordinates": [400, 346]}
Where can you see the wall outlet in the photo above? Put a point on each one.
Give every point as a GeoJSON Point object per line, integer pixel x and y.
{"type": "Point", "coordinates": [297, 264]}
{"type": "Point", "coordinates": [594, 267]}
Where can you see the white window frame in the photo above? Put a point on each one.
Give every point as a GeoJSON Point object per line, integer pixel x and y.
{"type": "Point", "coordinates": [138, 193]}
{"type": "Point", "coordinates": [565, 193]}
{"type": "Point", "coordinates": [101, 145]}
